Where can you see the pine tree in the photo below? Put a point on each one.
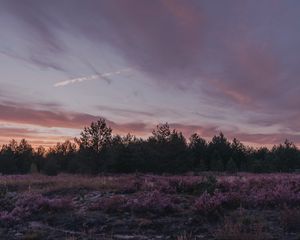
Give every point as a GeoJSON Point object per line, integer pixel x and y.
{"type": "Point", "coordinates": [216, 163]}
{"type": "Point", "coordinates": [231, 166]}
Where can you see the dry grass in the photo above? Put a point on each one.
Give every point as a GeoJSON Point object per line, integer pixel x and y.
{"type": "Point", "coordinates": [44, 183]}
{"type": "Point", "coordinates": [290, 219]}
{"type": "Point", "coordinates": [242, 227]}
{"type": "Point", "coordinates": [185, 236]}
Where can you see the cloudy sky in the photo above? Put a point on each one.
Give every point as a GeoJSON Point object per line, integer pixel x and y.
{"type": "Point", "coordinates": [203, 66]}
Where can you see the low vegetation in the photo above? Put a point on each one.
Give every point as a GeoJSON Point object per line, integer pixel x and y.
{"type": "Point", "coordinates": [138, 206]}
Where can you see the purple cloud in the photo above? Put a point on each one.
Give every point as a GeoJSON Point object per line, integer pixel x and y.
{"type": "Point", "coordinates": [237, 55]}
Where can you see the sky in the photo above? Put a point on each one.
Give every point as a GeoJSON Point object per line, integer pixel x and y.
{"type": "Point", "coordinates": [201, 65]}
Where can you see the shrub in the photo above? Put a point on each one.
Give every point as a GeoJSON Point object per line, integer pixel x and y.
{"type": "Point", "coordinates": [184, 185]}
{"type": "Point", "coordinates": [113, 203]}
{"type": "Point", "coordinates": [272, 196]}
{"type": "Point", "coordinates": [192, 185]}
{"type": "Point", "coordinates": [154, 202]}
{"type": "Point", "coordinates": [141, 202]}
{"type": "Point", "coordinates": [30, 203]}
{"type": "Point", "coordinates": [208, 204]}
{"type": "Point", "coordinates": [208, 185]}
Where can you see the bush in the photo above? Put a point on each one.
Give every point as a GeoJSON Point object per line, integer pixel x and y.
{"type": "Point", "coordinates": [154, 202]}
{"type": "Point", "coordinates": [115, 203]}
{"type": "Point", "coordinates": [193, 186]}
{"type": "Point", "coordinates": [208, 185]}
{"type": "Point", "coordinates": [30, 203]}
{"type": "Point", "coordinates": [209, 204]}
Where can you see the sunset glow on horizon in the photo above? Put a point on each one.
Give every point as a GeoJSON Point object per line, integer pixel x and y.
{"type": "Point", "coordinates": [202, 66]}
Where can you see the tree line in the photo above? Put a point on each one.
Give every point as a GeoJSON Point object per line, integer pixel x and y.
{"type": "Point", "coordinates": [97, 150]}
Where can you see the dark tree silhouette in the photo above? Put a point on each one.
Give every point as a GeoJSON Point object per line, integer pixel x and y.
{"type": "Point", "coordinates": [96, 137]}
{"type": "Point", "coordinates": [166, 151]}
{"type": "Point", "coordinates": [216, 163]}
{"type": "Point", "coordinates": [162, 133]}
{"type": "Point", "coordinates": [94, 143]}
{"type": "Point", "coordinates": [39, 157]}
{"type": "Point", "coordinates": [198, 151]}
{"type": "Point", "coordinates": [221, 145]}
{"type": "Point", "coordinates": [16, 158]}
{"type": "Point", "coordinates": [231, 166]}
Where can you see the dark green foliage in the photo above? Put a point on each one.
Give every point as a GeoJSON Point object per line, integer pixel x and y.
{"type": "Point", "coordinates": [216, 163]}
{"type": "Point", "coordinates": [231, 166]}
{"type": "Point", "coordinates": [198, 152]}
{"type": "Point", "coordinates": [33, 168]}
{"type": "Point", "coordinates": [166, 151]}
{"type": "Point", "coordinates": [24, 154]}
{"type": "Point", "coordinates": [39, 158]}
{"type": "Point", "coordinates": [96, 137]}
{"type": "Point", "coordinates": [124, 155]}
{"type": "Point", "coordinates": [63, 154]}
{"type": "Point", "coordinates": [287, 157]}
{"type": "Point", "coordinates": [219, 150]}
{"type": "Point", "coordinates": [238, 153]}
{"type": "Point", "coordinates": [51, 168]}
{"type": "Point", "coordinates": [16, 158]}
{"type": "Point", "coordinates": [208, 185]}
{"type": "Point", "coordinates": [94, 144]}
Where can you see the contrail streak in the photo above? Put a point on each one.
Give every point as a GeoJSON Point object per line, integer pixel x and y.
{"type": "Point", "coordinates": [92, 77]}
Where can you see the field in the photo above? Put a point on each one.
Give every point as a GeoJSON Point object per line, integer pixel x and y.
{"type": "Point", "coordinates": [228, 207]}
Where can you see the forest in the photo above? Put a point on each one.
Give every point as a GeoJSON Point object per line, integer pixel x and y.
{"type": "Point", "coordinates": [98, 150]}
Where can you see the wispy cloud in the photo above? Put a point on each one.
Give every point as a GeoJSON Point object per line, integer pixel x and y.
{"type": "Point", "coordinates": [19, 121]}
{"type": "Point", "coordinates": [92, 77]}
{"type": "Point", "coordinates": [228, 63]}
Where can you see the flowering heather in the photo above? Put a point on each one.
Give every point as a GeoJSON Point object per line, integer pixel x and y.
{"type": "Point", "coordinates": [141, 202]}
{"type": "Point", "coordinates": [155, 202]}
{"type": "Point", "coordinates": [30, 203]}
{"type": "Point", "coordinates": [110, 204]}
{"type": "Point", "coordinates": [121, 202]}
{"type": "Point", "coordinates": [208, 204]}
{"type": "Point", "coordinates": [251, 192]}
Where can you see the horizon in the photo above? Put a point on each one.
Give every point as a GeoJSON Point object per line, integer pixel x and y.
{"type": "Point", "coordinates": [146, 137]}
{"type": "Point", "coordinates": [203, 67]}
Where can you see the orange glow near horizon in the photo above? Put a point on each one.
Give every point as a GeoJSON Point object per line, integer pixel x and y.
{"type": "Point", "coordinates": [50, 140]}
